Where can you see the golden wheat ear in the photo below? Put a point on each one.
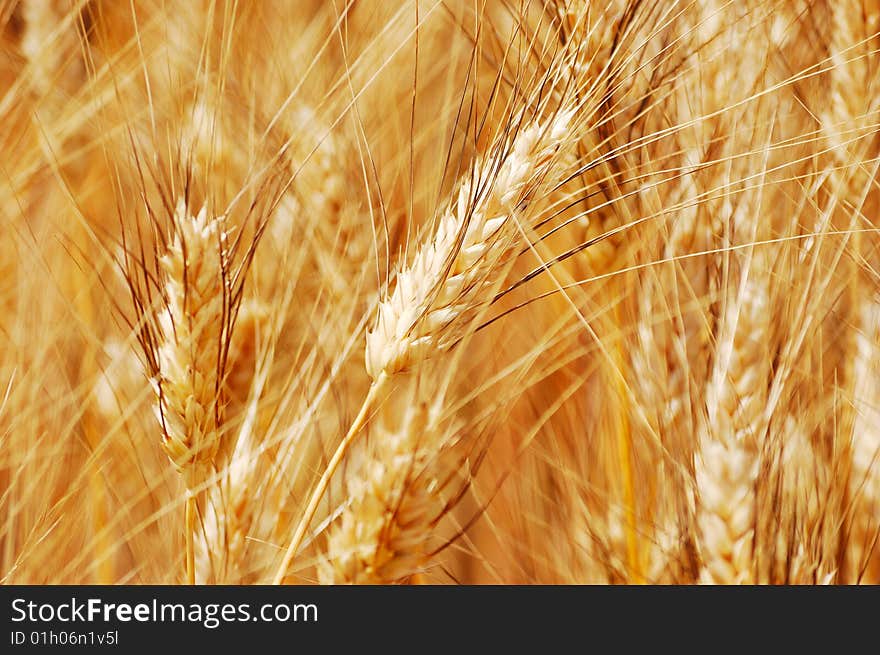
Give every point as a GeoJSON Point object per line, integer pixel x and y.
{"type": "Point", "coordinates": [865, 474]}
{"type": "Point", "coordinates": [428, 310]}
{"type": "Point", "coordinates": [185, 342]}
{"type": "Point", "coordinates": [435, 299]}
{"type": "Point", "coordinates": [382, 534]}
{"type": "Point", "coordinates": [189, 394]}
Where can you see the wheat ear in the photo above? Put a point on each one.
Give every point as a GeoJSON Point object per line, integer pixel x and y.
{"type": "Point", "coordinates": [49, 36]}
{"type": "Point", "coordinates": [865, 476]}
{"type": "Point", "coordinates": [805, 489]}
{"type": "Point", "coordinates": [851, 102]}
{"type": "Point", "coordinates": [229, 515]}
{"type": "Point", "coordinates": [428, 310]}
{"type": "Point", "coordinates": [728, 458]}
{"type": "Point", "coordinates": [188, 387]}
{"type": "Point", "coordinates": [395, 499]}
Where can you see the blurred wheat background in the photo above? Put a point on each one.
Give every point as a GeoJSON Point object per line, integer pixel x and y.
{"type": "Point", "coordinates": [439, 291]}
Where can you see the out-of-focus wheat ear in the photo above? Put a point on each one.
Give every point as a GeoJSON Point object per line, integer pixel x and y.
{"type": "Point", "coordinates": [849, 127]}
{"type": "Point", "coordinates": [48, 39]}
{"type": "Point", "coordinates": [428, 310]}
{"type": "Point", "coordinates": [373, 543]}
{"type": "Point", "coordinates": [190, 330]}
{"type": "Point", "coordinates": [741, 373]}
{"type": "Point", "coordinates": [217, 159]}
{"type": "Point", "coordinates": [865, 473]}
{"type": "Point", "coordinates": [119, 389]}
{"type": "Point", "coordinates": [799, 520]}
{"type": "Point", "coordinates": [249, 337]}
{"type": "Point", "coordinates": [50, 42]}
{"type": "Point", "coordinates": [229, 516]}
{"type": "Point", "coordinates": [231, 503]}
{"type": "Point", "coordinates": [403, 487]}
{"type": "Point", "coordinates": [665, 562]}
{"type": "Point", "coordinates": [251, 331]}
{"type": "Point", "coordinates": [668, 358]}
{"type": "Point", "coordinates": [343, 239]}
{"type": "Point", "coordinates": [603, 29]}
{"type": "Point", "coordinates": [851, 97]}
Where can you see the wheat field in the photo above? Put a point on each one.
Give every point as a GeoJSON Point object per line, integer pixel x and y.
{"type": "Point", "coordinates": [440, 292]}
